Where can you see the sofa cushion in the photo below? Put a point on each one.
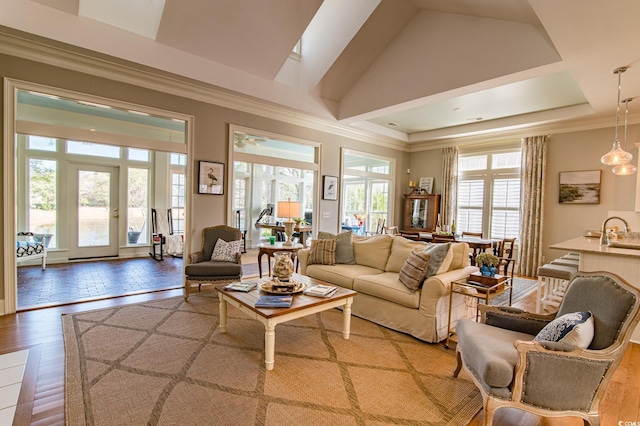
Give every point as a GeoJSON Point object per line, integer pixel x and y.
{"type": "Point", "coordinates": [373, 251]}
{"type": "Point", "coordinates": [344, 247]}
{"type": "Point", "coordinates": [460, 256]}
{"type": "Point", "coordinates": [574, 329]}
{"type": "Point", "coordinates": [400, 250]}
{"type": "Point", "coordinates": [387, 286]}
{"type": "Point", "coordinates": [440, 258]}
{"type": "Point", "coordinates": [340, 275]}
{"type": "Point", "coordinates": [488, 351]}
{"type": "Point", "coordinates": [322, 252]}
{"type": "Point", "coordinates": [414, 270]}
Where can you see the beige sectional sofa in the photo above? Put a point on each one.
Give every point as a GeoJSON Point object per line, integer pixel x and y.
{"type": "Point", "coordinates": [383, 299]}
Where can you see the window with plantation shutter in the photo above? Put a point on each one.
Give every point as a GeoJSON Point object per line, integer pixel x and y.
{"type": "Point", "coordinates": [489, 194]}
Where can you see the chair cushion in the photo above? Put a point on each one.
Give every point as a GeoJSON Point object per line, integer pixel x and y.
{"type": "Point", "coordinates": [574, 328]}
{"type": "Point", "coordinates": [414, 270]}
{"type": "Point", "coordinates": [213, 269]}
{"type": "Point", "coordinates": [344, 246]}
{"type": "Point", "coordinates": [488, 351]}
{"type": "Point", "coordinates": [226, 251]}
{"type": "Point", "coordinates": [322, 252]}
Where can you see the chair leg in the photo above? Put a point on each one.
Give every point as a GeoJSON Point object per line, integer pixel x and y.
{"type": "Point", "coordinates": [459, 366]}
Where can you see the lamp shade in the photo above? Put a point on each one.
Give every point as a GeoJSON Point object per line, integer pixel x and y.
{"type": "Point", "coordinates": [289, 209]}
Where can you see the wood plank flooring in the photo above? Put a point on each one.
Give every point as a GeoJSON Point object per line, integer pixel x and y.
{"type": "Point", "coordinates": [41, 401]}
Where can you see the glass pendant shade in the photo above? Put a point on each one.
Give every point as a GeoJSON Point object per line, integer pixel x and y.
{"type": "Point", "coordinates": [625, 169]}
{"type": "Point", "coordinates": [617, 156]}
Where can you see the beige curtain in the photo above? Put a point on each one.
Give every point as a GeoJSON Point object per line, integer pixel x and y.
{"type": "Point", "coordinates": [534, 160]}
{"type": "Point", "coordinates": [449, 200]}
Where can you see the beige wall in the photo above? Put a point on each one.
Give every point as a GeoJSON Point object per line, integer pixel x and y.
{"type": "Point", "coordinates": [210, 137]}
{"type": "Point", "coordinates": [566, 152]}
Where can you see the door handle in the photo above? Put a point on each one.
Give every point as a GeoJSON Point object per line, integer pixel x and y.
{"type": "Point", "coordinates": [116, 216]}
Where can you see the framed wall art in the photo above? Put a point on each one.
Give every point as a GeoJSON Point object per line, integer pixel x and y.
{"type": "Point", "coordinates": [426, 183]}
{"type": "Point", "coordinates": [210, 178]}
{"type": "Point", "coordinates": [329, 188]}
{"type": "Point", "coordinates": [581, 187]}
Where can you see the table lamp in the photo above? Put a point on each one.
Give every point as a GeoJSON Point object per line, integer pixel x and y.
{"type": "Point", "coordinates": [289, 209]}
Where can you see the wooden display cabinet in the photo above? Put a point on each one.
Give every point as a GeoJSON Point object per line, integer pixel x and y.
{"type": "Point", "coordinates": [421, 212]}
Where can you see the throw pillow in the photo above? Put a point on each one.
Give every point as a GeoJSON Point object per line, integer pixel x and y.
{"type": "Point", "coordinates": [400, 250]}
{"type": "Point", "coordinates": [414, 270]}
{"type": "Point", "coordinates": [322, 252]}
{"type": "Point", "coordinates": [344, 246]}
{"type": "Point", "coordinates": [373, 251]}
{"type": "Point", "coordinates": [226, 251]}
{"type": "Point", "coordinates": [576, 329]}
{"type": "Point", "coordinates": [438, 263]}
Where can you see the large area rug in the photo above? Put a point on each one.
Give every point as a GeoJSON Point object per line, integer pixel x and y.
{"type": "Point", "coordinates": [164, 362]}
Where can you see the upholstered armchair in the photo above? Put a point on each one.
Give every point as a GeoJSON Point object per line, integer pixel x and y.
{"type": "Point", "coordinates": [514, 364]}
{"type": "Point", "coordinates": [203, 270]}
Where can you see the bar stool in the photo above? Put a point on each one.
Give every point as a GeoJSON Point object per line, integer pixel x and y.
{"type": "Point", "coordinates": [552, 283]}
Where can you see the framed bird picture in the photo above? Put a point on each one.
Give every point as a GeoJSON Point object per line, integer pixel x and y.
{"type": "Point", "coordinates": [210, 178]}
{"type": "Point", "coordinates": [329, 188]}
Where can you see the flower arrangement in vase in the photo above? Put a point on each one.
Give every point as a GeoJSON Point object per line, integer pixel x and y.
{"type": "Point", "coordinates": [488, 263]}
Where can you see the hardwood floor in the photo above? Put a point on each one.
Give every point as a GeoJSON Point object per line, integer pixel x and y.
{"type": "Point", "coordinates": [41, 399]}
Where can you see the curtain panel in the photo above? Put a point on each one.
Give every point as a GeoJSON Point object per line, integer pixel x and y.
{"type": "Point", "coordinates": [534, 160]}
{"type": "Point", "coordinates": [449, 200]}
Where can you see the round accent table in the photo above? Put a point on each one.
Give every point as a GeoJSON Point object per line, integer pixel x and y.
{"type": "Point", "coordinates": [269, 249]}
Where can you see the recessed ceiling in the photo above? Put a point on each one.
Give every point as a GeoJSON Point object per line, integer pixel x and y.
{"type": "Point", "coordinates": [437, 69]}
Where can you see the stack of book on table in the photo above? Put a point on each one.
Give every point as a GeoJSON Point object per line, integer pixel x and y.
{"type": "Point", "coordinates": [245, 286]}
{"type": "Point", "coordinates": [321, 290]}
{"type": "Point", "coordinates": [283, 301]}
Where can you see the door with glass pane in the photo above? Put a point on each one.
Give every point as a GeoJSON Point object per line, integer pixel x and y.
{"type": "Point", "coordinates": [93, 198]}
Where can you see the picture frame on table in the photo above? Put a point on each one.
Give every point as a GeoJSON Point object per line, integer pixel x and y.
{"type": "Point", "coordinates": [580, 187]}
{"type": "Point", "coordinates": [329, 187]}
{"type": "Point", "coordinates": [210, 178]}
{"type": "Point", "coordinates": [426, 183]}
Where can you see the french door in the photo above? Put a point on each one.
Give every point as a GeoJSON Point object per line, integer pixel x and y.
{"type": "Point", "coordinates": [94, 213]}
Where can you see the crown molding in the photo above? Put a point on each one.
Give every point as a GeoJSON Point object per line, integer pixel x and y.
{"type": "Point", "coordinates": [174, 85]}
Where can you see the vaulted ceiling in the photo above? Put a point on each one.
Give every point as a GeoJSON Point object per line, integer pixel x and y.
{"type": "Point", "coordinates": [415, 71]}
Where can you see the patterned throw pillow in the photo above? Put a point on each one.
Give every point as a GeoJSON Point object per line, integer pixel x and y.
{"type": "Point", "coordinates": [576, 329]}
{"type": "Point", "coordinates": [438, 253]}
{"type": "Point", "coordinates": [322, 252]}
{"type": "Point", "coordinates": [344, 247]}
{"type": "Point", "coordinates": [226, 251]}
{"type": "Point", "coordinates": [414, 270]}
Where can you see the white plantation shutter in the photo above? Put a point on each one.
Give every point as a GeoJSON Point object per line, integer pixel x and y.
{"type": "Point", "coordinates": [470, 204]}
{"type": "Point", "coordinates": [505, 217]}
{"type": "Point", "coordinates": [489, 194]}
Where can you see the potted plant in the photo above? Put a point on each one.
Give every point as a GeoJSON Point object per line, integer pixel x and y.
{"type": "Point", "coordinates": [488, 263]}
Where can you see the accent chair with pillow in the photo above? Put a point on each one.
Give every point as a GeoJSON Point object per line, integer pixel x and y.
{"type": "Point", "coordinates": [218, 261]}
{"type": "Point", "coordinates": [554, 365]}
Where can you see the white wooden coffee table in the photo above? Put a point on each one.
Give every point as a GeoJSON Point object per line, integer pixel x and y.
{"type": "Point", "coordinates": [302, 306]}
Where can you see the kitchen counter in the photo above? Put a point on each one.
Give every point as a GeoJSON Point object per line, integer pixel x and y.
{"type": "Point", "coordinates": [594, 257]}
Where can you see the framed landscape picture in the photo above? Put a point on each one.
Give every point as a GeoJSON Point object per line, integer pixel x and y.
{"type": "Point", "coordinates": [210, 178]}
{"type": "Point", "coordinates": [581, 187]}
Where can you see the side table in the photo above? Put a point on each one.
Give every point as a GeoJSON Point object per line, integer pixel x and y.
{"type": "Point", "coordinates": [486, 293]}
{"type": "Point", "coordinates": [269, 249]}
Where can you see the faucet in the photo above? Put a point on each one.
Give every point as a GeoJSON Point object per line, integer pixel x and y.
{"type": "Point", "coordinates": [604, 239]}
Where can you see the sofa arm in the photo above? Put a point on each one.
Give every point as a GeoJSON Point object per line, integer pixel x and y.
{"type": "Point", "coordinates": [437, 286]}
{"type": "Point", "coordinates": [303, 259]}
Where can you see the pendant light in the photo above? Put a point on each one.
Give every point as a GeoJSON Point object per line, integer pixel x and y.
{"type": "Point", "coordinates": [617, 155]}
{"type": "Point", "coordinates": [626, 168]}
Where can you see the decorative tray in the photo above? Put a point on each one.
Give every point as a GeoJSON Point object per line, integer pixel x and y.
{"type": "Point", "coordinates": [267, 287]}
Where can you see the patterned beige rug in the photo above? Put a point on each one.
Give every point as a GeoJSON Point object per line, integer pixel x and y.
{"type": "Point", "coordinates": [164, 362]}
